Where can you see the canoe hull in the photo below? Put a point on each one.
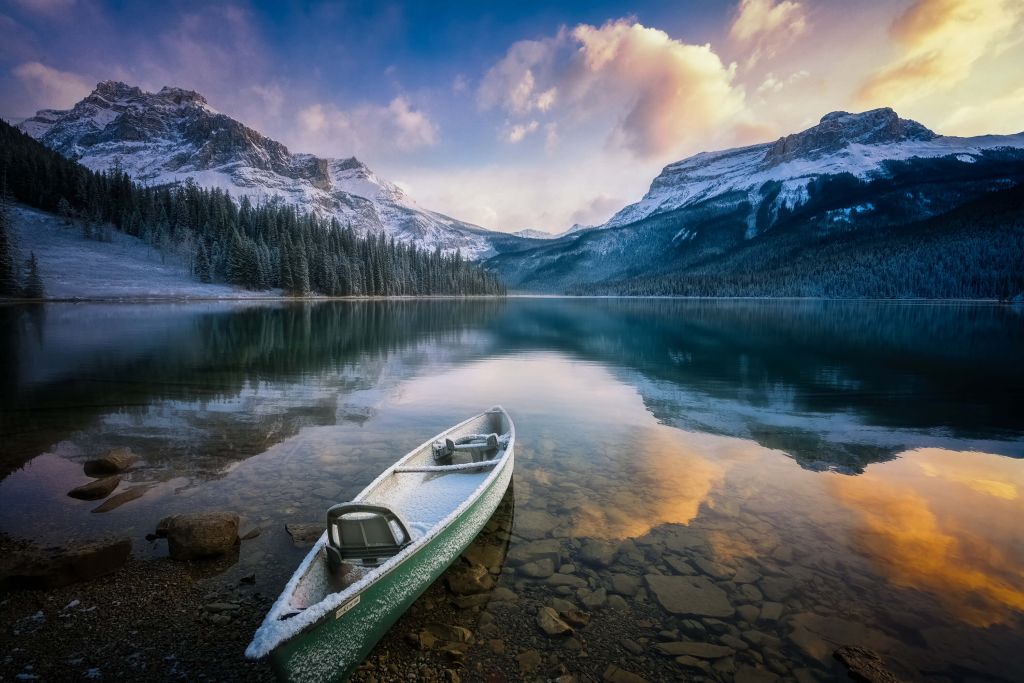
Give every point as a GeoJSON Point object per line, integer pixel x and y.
{"type": "Point", "coordinates": [332, 648]}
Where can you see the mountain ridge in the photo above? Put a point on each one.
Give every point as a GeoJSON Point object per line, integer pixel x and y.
{"type": "Point", "coordinates": [848, 173]}
{"type": "Point", "coordinates": [173, 134]}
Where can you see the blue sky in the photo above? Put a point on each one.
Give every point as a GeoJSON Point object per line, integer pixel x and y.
{"type": "Point", "coordinates": [523, 114]}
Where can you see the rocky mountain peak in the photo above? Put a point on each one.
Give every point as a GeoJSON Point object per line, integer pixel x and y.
{"type": "Point", "coordinates": [112, 91]}
{"type": "Point", "coordinates": [840, 128]}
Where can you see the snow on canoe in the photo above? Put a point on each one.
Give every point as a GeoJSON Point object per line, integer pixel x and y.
{"type": "Point", "coordinates": [383, 549]}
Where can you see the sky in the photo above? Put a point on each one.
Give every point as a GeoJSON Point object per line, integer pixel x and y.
{"type": "Point", "coordinates": [516, 115]}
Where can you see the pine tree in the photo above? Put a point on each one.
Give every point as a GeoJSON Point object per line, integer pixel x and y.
{"type": "Point", "coordinates": [33, 283]}
{"type": "Point", "coordinates": [8, 263]}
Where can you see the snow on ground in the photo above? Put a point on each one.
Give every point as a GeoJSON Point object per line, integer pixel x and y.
{"type": "Point", "coordinates": [74, 267]}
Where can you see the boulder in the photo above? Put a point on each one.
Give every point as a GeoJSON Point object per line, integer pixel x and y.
{"type": "Point", "coordinates": [305, 534]}
{"type": "Point", "coordinates": [95, 489]}
{"type": "Point", "coordinates": [117, 460]}
{"type": "Point", "coordinates": [196, 535]}
{"type": "Point", "coordinates": [689, 595]}
{"type": "Point", "coordinates": [61, 566]}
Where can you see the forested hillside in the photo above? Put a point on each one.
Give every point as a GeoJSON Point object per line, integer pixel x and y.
{"type": "Point", "coordinates": [257, 247]}
{"type": "Point", "coordinates": [974, 251]}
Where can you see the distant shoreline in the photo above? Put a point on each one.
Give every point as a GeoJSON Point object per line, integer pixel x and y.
{"type": "Point", "coordinates": [450, 297]}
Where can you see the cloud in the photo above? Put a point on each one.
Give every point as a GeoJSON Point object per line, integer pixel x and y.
{"type": "Point", "coordinates": [519, 131]}
{"type": "Point", "coordinates": [52, 87]}
{"type": "Point", "coordinates": [325, 128]}
{"type": "Point", "coordinates": [597, 210]}
{"type": "Point", "coordinates": [941, 41]}
{"type": "Point", "coordinates": [1000, 115]}
{"type": "Point", "coordinates": [764, 27]}
{"type": "Point", "coordinates": [656, 95]}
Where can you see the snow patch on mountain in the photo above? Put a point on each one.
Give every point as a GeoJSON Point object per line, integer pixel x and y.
{"type": "Point", "coordinates": [172, 135]}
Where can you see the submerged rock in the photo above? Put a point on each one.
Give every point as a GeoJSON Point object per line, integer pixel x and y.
{"type": "Point", "coordinates": [195, 535]}
{"type": "Point", "coordinates": [95, 489]}
{"type": "Point", "coordinates": [116, 460]}
{"type": "Point", "coordinates": [305, 534]}
{"type": "Point", "coordinates": [616, 674]}
{"type": "Point", "coordinates": [549, 622]}
{"type": "Point", "coordinates": [598, 553]}
{"type": "Point", "coordinates": [532, 552]}
{"type": "Point", "coordinates": [689, 595]}
{"type": "Point", "coordinates": [864, 665]}
{"type": "Point", "coordinates": [126, 496]}
{"type": "Point", "coordinates": [61, 566]}
{"type": "Point", "coordinates": [469, 578]}
{"type": "Point", "coordinates": [692, 649]}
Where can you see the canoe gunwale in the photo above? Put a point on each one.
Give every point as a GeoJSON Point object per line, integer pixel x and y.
{"type": "Point", "coordinates": [326, 608]}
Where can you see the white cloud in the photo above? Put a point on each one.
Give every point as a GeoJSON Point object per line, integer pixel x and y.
{"type": "Point", "coordinates": [1000, 115]}
{"type": "Point", "coordinates": [764, 27]}
{"type": "Point", "coordinates": [658, 96]}
{"type": "Point", "coordinates": [327, 129]}
{"type": "Point", "coordinates": [51, 87]}
{"type": "Point", "coordinates": [519, 131]}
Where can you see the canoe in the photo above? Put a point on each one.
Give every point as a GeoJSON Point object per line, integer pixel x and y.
{"type": "Point", "coordinates": [384, 548]}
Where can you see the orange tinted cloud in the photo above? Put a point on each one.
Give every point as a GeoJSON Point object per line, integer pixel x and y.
{"type": "Point", "coordinates": [658, 93]}
{"type": "Point", "coordinates": [941, 41]}
{"type": "Point", "coordinates": [953, 532]}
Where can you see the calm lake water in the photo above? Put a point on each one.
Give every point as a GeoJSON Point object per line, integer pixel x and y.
{"type": "Point", "coordinates": [845, 473]}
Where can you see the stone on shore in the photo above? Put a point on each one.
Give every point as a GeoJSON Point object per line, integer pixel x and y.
{"type": "Point", "coordinates": [196, 535]}
{"type": "Point", "coordinates": [689, 595]}
{"type": "Point", "coordinates": [116, 460]}
{"type": "Point", "coordinates": [95, 489]}
{"type": "Point", "coordinates": [61, 566]}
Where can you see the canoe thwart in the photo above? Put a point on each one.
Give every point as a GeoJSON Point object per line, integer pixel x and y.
{"type": "Point", "coordinates": [364, 533]}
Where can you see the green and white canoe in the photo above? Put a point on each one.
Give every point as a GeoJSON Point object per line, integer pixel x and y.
{"type": "Point", "coordinates": [382, 550]}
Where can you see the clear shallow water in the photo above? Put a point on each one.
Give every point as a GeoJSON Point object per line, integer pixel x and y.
{"type": "Point", "coordinates": [861, 460]}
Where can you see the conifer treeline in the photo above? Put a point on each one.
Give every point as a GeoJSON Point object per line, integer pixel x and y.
{"type": "Point", "coordinates": [257, 247]}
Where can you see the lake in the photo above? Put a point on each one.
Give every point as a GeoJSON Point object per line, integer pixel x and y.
{"type": "Point", "coordinates": [844, 473]}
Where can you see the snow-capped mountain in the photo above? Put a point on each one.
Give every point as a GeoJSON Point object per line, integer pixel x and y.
{"type": "Point", "coordinates": [734, 211]}
{"type": "Point", "coordinates": [530, 233]}
{"type": "Point", "coordinates": [174, 134]}
{"type": "Point", "coordinates": [776, 175]}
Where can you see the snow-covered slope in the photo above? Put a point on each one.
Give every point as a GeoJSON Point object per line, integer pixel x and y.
{"type": "Point", "coordinates": [532, 234]}
{"type": "Point", "coordinates": [73, 267]}
{"type": "Point", "coordinates": [172, 135]}
{"type": "Point", "coordinates": [858, 144]}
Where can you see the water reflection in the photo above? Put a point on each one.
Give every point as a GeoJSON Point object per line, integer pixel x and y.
{"type": "Point", "coordinates": [848, 470]}
{"type": "Point", "coordinates": [948, 523]}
